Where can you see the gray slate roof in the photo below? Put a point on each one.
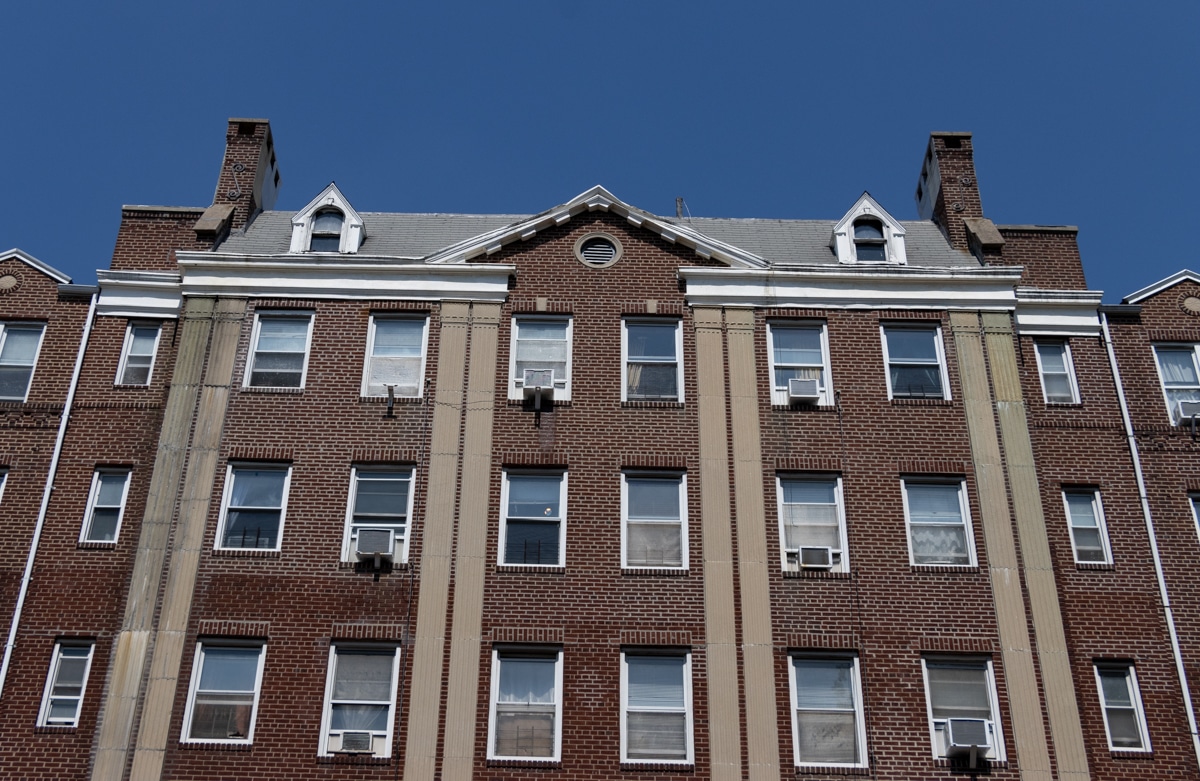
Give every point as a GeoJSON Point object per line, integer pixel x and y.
{"type": "Point", "coordinates": [418, 235]}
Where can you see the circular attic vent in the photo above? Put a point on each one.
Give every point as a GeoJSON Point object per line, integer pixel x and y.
{"type": "Point", "coordinates": [598, 250]}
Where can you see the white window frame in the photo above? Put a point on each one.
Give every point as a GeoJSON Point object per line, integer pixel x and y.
{"type": "Point", "coordinates": [687, 705]}
{"type": "Point", "coordinates": [227, 494]}
{"type": "Point", "coordinates": [683, 516]}
{"type": "Point", "coordinates": [348, 535]}
{"type": "Point", "coordinates": [1162, 383]}
{"type": "Point", "coordinates": [48, 697]}
{"type": "Point", "coordinates": [628, 321]}
{"type": "Point", "coordinates": [883, 242]}
{"type": "Point", "coordinates": [1101, 526]}
{"type": "Point", "coordinates": [128, 346]}
{"type": "Point", "coordinates": [4, 329]}
{"type": "Point", "coordinates": [94, 497]}
{"type": "Point", "coordinates": [840, 555]}
{"type": "Point", "coordinates": [860, 735]}
{"type": "Point", "coordinates": [3, 480]}
{"type": "Point", "coordinates": [1135, 698]}
{"type": "Point", "coordinates": [562, 385]}
{"type": "Point", "coordinates": [327, 711]}
{"type": "Point", "coordinates": [312, 233]}
{"type": "Point", "coordinates": [549, 655]}
{"type": "Point", "coordinates": [252, 358]}
{"type": "Point", "coordinates": [779, 395]}
{"type": "Point", "coordinates": [1068, 364]}
{"type": "Point", "coordinates": [939, 348]}
{"type": "Point", "coordinates": [370, 356]}
{"type": "Point", "coordinates": [194, 688]}
{"type": "Point", "coordinates": [985, 664]}
{"type": "Point", "coordinates": [964, 507]}
{"type": "Point", "coordinates": [1193, 502]}
{"type": "Point", "coordinates": [562, 515]}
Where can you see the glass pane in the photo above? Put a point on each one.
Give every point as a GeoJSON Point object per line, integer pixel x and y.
{"type": "Point", "coordinates": [527, 680]}
{"type": "Point", "coordinates": [823, 684]}
{"type": "Point", "coordinates": [283, 334]}
{"type": "Point", "coordinates": [868, 229]}
{"type": "Point", "coordinates": [827, 737]}
{"type": "Point", "coordinates": [932, 503]}
{"type": "Point", "coordinates": [940, 545]}
{"type": "Point", "coordinates": [104, 525]}
{"type": "Point", "coordinates": [1082, 508]}
{"type": "Point", "coordinates": [69, 680]}
{"type": "Point", "coordinates": [257, 488]}
{"type": "Point", "coordinates": [1054, 358]}
{"type": "Point", "coordinates": [327, 222]}
{"type": "Point", "coordinates": [398, 337]}
{"type": "Point", "coordinates": [1088, 546]}
{"type": "Point", "coordinates": [135, 374]}
{"type": "Point", "coordinates": [20, 345]}
{"type": "Point", "coordinates": [363, 676]}
{"type": "Point", "coordinates": [63, 710]}
{"type": "Point", "coordinates": [654, 545]}
{"type": "Point", "coordinates": [653, 498]}
{"type": "Point", "coordinates": [1123, 728]}
{"type": "Point", "coordinates": [870, 251]}
{"type": "Point", "coordinates": [324, 243]}
{"type": "Point", "coordinates": [783, 375]}
{"type": "Point", "coordinates": [111, 488]}
{"type": "Point", "coordinates": [221, 716]}
{"type": "Point", "coordinates": [657, 736]}
{"type": "Point", "coordinates": [533, 496]}
{"type": "Point", "coordinates": [524, 734]}
{"type": "Point", "coordinates": [651, 340]}
{"type": "Point", "coordinates": [1115, 686]}
{"type": "Point", "coordinates": [143, 340]}
{"type": "Point", "coordinates": [916, 382]}
{"type": "Point", "coordinates": [958, 692]}
{"type": "Point", "coordinates": [14, 381]}
{"type": "Point", "coordinates": [228, 669]}
{"type": "Point", "coordinates": [381, 495]}
{"type": "Point", "coordinates": [530, 542]}
{"type": "Point", "coordinates": [362, 718]}
{"type": "Point", "coordinates": [809, 491]}
{"type": "Point", "coordinates": [251, 529]}
{"type": "Point", "coordinates": [812, 536]}
{"type": "Point", "coordinates": [652, 381]}
{"type": "Point", "coordinates": [1058, 388]}
{"type": "Point", "coordinates": [915, 345]}
{"type": "Point", "coordinates": [655, 681]}
{"type": "Point", "coordinates": [797, 345]}
{"type": "Point", "coordinates": [1178, 366]}
{"type": "Point", "coordinates": [541, 329]}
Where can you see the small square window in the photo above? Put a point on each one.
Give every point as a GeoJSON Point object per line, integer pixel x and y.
{"type": "Point", "coordinates": [541, 344]}
{"type": "Point", "coordinates": [395, 356]}
{"type": "Point", "coordinates": [939, 524]}
{"type": "Point", "coordinates": [526, 716]}
{"type": "Point", "coordinates": [253, 506]}
{"type": "Point", "coordinates": [812, 524]}
{"type": "Point", "coordinates": [651, 354]}
{"type": "Point", "coordinates": [654, 521]}
{"type": "Point", "coordinates": [19, 347]}
{"type": "Point", "coordinates": [360, 698]}
{"type": "Point", "coordinates": [223, 697]}
{"type": "Point", "coordinates": [800, 352]}
{"type": "Point", "coordinates": [106, 505]}
{"type": "Point", "coordinates": [961, 698]}
{"type": "Point", "coordinates": [137, 355]}
{"type": "Point", "coordinates": [916, 365]}
{"type": "Point", "coordinates": [1180, 377]}
{"type": "Point", "coordinates": [1124, 719]}
{"type": "Point", "coordinates": [1057, 373]}
{"type": "Point", "coordinates": [380, 498]}
{"type": "Point", "coordinates": [531, 529]}
{"type": "Point", "coordinates": [1089, 537]}
{"type": "Point", "coordinates": [656, 707]}
{"type": "Point", "coordinates": [280, 357]}
{"type": "Point", "coordinates": [65, 684]}
{"type": "Point", "coordinates": [827, 712]}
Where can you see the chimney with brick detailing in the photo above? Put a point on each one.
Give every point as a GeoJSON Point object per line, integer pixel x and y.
{"type": "Point", "coordinates": [948, 192]}
{"type": "Point", "coordinates": [249, 178]}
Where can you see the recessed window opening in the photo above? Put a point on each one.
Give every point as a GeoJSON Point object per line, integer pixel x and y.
{"type": "Point", "coordinates": [869, 241]}
{"type": "Point", "coordinates": [326, 231]}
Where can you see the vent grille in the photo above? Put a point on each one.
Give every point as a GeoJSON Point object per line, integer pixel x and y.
{"type": "Point", "coordinates": [597, 251]}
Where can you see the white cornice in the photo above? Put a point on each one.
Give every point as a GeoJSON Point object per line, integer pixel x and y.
{"type": "Point", "coordinates": [342, 276]}
{"type": "Point", "coordinates": [1058, 312]}
{"type": "Point", "coordinates": [1161, 285]}
{"type": "Point", "coordinates": [149, 294]}
{"type": "Point", "coordinates": [875, 287]}
{"type": "Point", "coordinates": [30, 260]}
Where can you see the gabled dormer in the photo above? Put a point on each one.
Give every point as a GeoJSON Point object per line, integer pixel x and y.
{"type": "Point", "coordinates": [867, 234]}
{"type": "Point", "coordinates": [328, 224]}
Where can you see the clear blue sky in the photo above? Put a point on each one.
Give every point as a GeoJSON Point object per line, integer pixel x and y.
{"type": "Point", "coordinates": [1083, 113]}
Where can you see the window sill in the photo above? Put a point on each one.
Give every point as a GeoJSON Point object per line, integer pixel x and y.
{"type": "Point", "coordinates": [352, 759]}
{"type": "Point", "coordinates": [907, 402]}
{"type": "Point", "coordinates": [1063, 404]}
{"type": "Point", "coordinates": [1094, 566]}
{"type": "Point", "coordinates": [545, 404]}
{"type": "Point", "coordinates": [654, 571]}
{"type": "Point", "coordinates": [827, 770]}
{"type": "Point", "coordinates": [534, 569]}
{"type": "Point", "coordinates": [245, 553]}
{"type": "Point", "coordinates": [548, 764]}
{"type": "Point", "coordinates": [129, 386]}
{"type": "Point", "coordinates": [384, 399]}
{"type": "Point", "coordinates": [967, 569]}
{"type": "Point", "coordinates": [55, 729]}
{"type": "Point", "coordinates": [663, 766]}
{"type": "Point", "coordinates": [196, 745]}
{"type": "Point", "coordinates": [96, 545]}
{"type": "Point", "coordinates": [811, 408]}
{"type": "Point", "coordinates": [368, 565]}
{"type": "Point", "coordinates": [258, 389]}
{"type": "Point", "coordinates": [663, 404]}
{"type": "Point", "coordinates": [1131, 753]}
{"type": "Point", "coordinates": [814, 574]}
{"type": "Point", "coordinates": [984, 765]}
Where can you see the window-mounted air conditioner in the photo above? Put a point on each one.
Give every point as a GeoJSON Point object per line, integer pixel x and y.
{"type": "Point", "coordinates": [962, 735]}
{"type": "Point", "coordinates": [816, 557]}
{"type": "Point", "coordinates": [1188, 409]}
{"type": "Point", "coordinates": [375, 544]}
{"type": "Point", "coordinates": [804, 391]}
{"type": "Point", "coordinates": [538, 384]}
{"type": "Point", "coordinates": [356, 743]}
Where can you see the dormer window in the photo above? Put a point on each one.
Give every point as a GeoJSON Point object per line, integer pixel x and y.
{"type": "Point", "coordinates": [326, 231]}
{"type": "Point", "coordinates": [870, 246]}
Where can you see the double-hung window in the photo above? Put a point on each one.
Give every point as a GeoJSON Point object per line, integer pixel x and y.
{"type": "Point", "coordinates": [526, 706]}
{"type": "Point", "coordinates": [280, 355]}
{"type": "Point", "coordinates": [106, 505]}
{"type": "Point", "coordinates": [540, 344]}
{"type": "Point", "coordinates": [65, 684]}
{"type": "Point", "coordinates": [939, 523]}
{"type": "Point", "coordinates": [799, 351]}
{"type": "Point", "coordinates": [1124, 720]}
{"type": "Point", "coordinates": [137, 354]}
{"type": "Point", "coordinates": [1089, 538]}
{"type": "Point", "coordinates": [827, 712]}
{"type": "Point", "coordinates": [326, 232]}
{"type": "Point", "coordinates": [395, 356]}
{"type": "Point", "coordinates": [654, 520]}
{"type": "Point", "coordinates": [656, 707]}
{"type": "Point", "coordinates": [380, 498]}
{"type": "Point", "coordinates": [812, 525]}
{"type": "Point", "coordinates": [531, 530]}
{"type": "Point", "coordinates": [223, 698]}
{"type": "Point", "coordinates": [253, 506]}
{"type": "Point", "coordinates": [1057, 372]}
{"type": "Point", "coordinates": [916, 364]}
{"type": "Point", "coordinates": [960, 694]}
{"type": "Point", "coordinates": [652, 353]}
{"type": "Point", "coordinates": [19, 346]}
{"type": "Point", "coordinates": [1180, 376]}
{"type": "Point", "coordinates": [360, 698]}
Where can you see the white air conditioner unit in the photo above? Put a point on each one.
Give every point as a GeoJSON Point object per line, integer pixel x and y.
{"type": "Point", "coordinates": [1188, 409]}
{"type": "Point", "coordinates": [816, 557]}
{"type": "Point", "coordinates": [963, 735]}
{"type": "Point", "coordinates": [357, 743]}
{"type": "Point", "coordinates": [805, 391]}
{"type": "Point", "coordinates": [375, 544]}
{"type": "Point", "coordinates": [538, 384]}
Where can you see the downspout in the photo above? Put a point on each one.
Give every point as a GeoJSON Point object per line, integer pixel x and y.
{"type": "Point", "coordinates": [1158, 567]}
{"type": "Point", "coordinates": [49, 489]}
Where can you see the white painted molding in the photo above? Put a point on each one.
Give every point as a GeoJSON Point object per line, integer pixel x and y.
{"type": "Point", "coordinates": [33, 262]}
{"type": "Point", "coordinates": [1058, 312]}
{"type": "Point", "coordinates": [1161, 285]}
{"type": "Point", "coordinates": [866, 206]}
{"type": "Point", "coordinates": [353, 231]}
{"type": "Point", "coordinates": [149, 294]}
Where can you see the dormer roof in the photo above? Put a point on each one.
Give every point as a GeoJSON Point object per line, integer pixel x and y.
{"type": "Point", "coordinates": [843, 241]}
{"type": "Point", "coordinates": [331, 198]}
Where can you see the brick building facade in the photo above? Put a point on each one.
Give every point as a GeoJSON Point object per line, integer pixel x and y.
{"type": "Point", "coordinates": [595, 493]}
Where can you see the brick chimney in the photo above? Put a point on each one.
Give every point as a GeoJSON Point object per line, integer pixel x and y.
{"type": "Point", "coordinates": [948, 191]}
{"type": "Point", "coordinates": [249, 178]}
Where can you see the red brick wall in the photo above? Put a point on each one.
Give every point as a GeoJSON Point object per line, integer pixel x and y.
{"type": "Point", "coordinates": [1050, 257]}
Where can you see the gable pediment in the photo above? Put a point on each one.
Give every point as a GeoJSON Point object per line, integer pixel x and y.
{"type": "Point", "coordinates": [32, 262]}
{"type": "Point", "coordinates": [1149, 291]}
{"type": "Point", "coordinates": [330, 199]}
